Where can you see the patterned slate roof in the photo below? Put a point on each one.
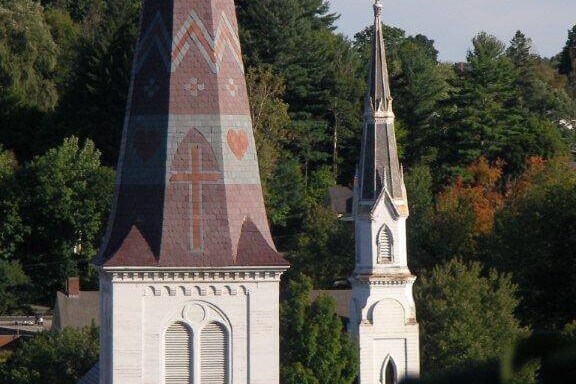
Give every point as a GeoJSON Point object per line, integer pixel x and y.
{"type": "Point", "coordinates": [188, 178]}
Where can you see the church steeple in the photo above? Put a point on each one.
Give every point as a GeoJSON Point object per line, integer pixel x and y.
{"type": "Point", "coordinates": [379, 167]}
{"type": "Point", "coordinates": [382, 309]}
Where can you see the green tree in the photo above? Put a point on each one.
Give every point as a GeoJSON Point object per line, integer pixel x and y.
{"type": "Point", "coordinates": [49, 358]}
{"type": "Point", "coordinates": [535, 238]}
{"type": "Point", "coordinates": [325, 248]}
{"type": "Point", "coordinates": [541, 93]}
{"type": "Point", "coordinates": [320, 68]}
{"type": "Point", "coordinates": [94, 103]}
{"type": "Point", "coordinates": [11, 228]}
{"type": "Point", "coordinates": [314, 346]}
{"type": "Point", "coordinates": [308, 139]}
{"type": "Point", "coordinates": [28, 57]}
{"type": "Point", "coordinates": [286, 194]}
{"type": "Point", "coordinates": [66, 197]}
{"type": "Point", "coordinates": [67, 35]}
{"type": "Point", "coordinates": [13, 284]}
{"type": "Point", "coordinates": [568, 55]}
{"type": "Point", "coordinates": [487, 119]}
{"type": "Point", "coordinates": [344, 107]}
{"type": "Point", "coordinates": [466, 316]}
{"type": "Point", "coordinates": [421, 87]}
{"type": "Point", "coordinates": [419, 183]}
{"type": "Point", "coordinates": [270, 118]}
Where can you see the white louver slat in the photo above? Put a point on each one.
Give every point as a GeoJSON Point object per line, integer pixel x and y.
{"type": "Point", "coordinates": [178, 350]}
{"type": "Point", "coordinates": [384, 245]}
{"type": "Point", "coordinates": [214, 355]}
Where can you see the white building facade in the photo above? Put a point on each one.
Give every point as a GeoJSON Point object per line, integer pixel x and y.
{"type": "Point", "coordinates": [382, 310]}
{"type": "Point", "coordinates": [179, 326]}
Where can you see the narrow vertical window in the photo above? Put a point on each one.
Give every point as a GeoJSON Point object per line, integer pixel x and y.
{"type": "Point", "coordinates": [214, 351]}
{"type": "Point", "coordinates": [178, 354]}
{"type": "Point", "coordinates": [384, 245]}
{"type": "Point", "coordinates": [389, 374]}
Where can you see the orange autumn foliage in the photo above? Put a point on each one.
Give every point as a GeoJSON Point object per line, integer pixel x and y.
{"type": "Point", "coordinates": [479, 194]}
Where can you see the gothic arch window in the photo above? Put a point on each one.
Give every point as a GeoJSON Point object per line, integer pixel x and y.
{"type": "Point", "coordinates": [389, 373]}
{"type": "Point", "coordinates": [178, 354]}
{"type": "Point", "coordinates": [385, 243]}
{"type": "Point", "coordinates": [214, 354]}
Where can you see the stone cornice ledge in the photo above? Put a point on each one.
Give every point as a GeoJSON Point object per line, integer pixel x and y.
{"type": "Point", "coordinates": [383, 279]}
{"type": "Point", "coordinates": [194, 275]}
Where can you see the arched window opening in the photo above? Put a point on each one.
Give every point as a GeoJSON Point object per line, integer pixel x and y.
{"type": "Point", "coordinates": [385, 243]}
{"type": "Point", "coordinates": [178, 355]}
{"type": "Point", "coordinates": [214, 354]}
{"type": "Point", "coordinates": [390, 376]}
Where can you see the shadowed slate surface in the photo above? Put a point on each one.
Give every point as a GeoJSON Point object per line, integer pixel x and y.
{"type": "Point", "coordinates": [188, 192]}
{"type": "Point", "coordinates": [93, 376]}
{"type": "Point", "coordinates": [76, 312]}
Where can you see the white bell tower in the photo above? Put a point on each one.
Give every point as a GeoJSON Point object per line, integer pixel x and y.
{"type": "Point", "coordinates": [382, 311]}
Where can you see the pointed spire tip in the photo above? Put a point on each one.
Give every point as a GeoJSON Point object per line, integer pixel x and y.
{"type": "Point", "coordinates": [377, 8]}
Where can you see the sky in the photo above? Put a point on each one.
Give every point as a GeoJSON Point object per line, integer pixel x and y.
{"type": "Point", "coordinates": [453, 23]}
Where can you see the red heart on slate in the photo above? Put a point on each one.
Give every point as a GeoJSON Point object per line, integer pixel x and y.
{"type": "Point", "coordinates": [147, 143]}
{"type": "Point", "coordinates": [238, 142]}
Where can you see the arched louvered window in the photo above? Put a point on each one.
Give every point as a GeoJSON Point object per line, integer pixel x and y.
{"type": "Point", "coordinates": [214, 352]}
{"type": "Point", "coordinates": [385, 243]}
{"type": "Point", "coordinates": [389, 375]}
{"type": "Point", "coordinates": [178, 355]}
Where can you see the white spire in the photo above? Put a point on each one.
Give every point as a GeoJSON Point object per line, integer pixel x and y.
{"type": "Point", "coordinates": [377, 8]}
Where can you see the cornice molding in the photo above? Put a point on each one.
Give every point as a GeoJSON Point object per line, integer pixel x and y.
{"type": "Point", "coordinates": [239, 275]}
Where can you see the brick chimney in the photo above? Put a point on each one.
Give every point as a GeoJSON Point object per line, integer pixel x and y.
{"type": "Point", "coordinates": [73, 287]}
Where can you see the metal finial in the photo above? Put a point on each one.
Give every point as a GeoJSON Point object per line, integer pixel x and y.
{"type": "Point", "coordinates": [378, 8]}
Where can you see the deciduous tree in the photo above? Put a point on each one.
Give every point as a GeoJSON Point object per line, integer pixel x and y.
{"type": "Point", "coordinates": [314, 346]}
{"type": "Point", "coordinates": [49, 358]}
{"type": "Point", "coordinates": [466, 315]}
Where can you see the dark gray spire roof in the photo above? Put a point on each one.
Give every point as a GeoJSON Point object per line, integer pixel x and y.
{"type": "Point", "coordinates": [379, 166]}
{"type": "Point", "coordinates": [378, 81]}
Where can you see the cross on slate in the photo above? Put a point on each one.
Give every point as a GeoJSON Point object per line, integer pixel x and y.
{"type": "Point", "coordinates": [195, 179]}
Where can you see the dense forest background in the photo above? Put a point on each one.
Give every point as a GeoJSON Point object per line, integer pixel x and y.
{"type": "Point", "coordinates": [487, 147]}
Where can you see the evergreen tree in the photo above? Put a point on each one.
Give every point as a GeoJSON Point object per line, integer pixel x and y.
{"type": "Point", "coordinates": [488, 120]}
{"type": "Point", "coordinates": [540, 93]}
{"type": "Point", "coordinates": [420, 88]}
{"type": "Point", "coordinates": [568, 55]}
{"type": "Point", "coordinates": [94, 105]}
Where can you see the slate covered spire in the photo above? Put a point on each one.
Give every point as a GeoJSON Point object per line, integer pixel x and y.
{"type": "Point", "coordinates": [379, 167]}
{"type": "Point", "coordinates": [188, 191]}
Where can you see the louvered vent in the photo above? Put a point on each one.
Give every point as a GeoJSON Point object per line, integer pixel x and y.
{"type": "Point", "coordinates": [214, 355]}
{"type": "Point", "coordinates": [178, 346]}
{"type": "Point", "coordinates": [384, 245]}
